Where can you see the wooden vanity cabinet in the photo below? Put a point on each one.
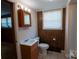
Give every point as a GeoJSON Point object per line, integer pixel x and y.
{"type": "Point", "coordinates": [29, 52]}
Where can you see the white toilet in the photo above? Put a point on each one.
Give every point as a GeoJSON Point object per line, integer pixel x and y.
{"type": "Point", "coordinates": [42, 47]}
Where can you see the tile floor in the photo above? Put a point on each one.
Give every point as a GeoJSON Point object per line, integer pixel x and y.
{"type": "Point", "coordinates": [52, 55]}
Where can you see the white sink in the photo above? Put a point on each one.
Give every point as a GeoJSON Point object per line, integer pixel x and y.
{"type": "Point", "coordinates": [28, 42]}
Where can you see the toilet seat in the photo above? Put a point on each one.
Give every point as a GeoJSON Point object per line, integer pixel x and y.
{"type": "Point", "coordinates": [43, 46]}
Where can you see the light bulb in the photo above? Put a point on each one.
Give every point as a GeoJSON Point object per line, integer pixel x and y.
{"type": "Point", "coordinates": [26, 9]}
{"type": "Point", "coordinates": [29, 10]}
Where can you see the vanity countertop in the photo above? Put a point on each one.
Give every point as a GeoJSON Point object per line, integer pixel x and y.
{"type": "Point", "coordinates": [28, 42]}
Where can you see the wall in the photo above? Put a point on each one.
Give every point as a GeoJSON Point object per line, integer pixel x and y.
{"type": "Point", "coordinates": [24, 33]}
{"type": "Point", "coordinates": [48, 35]}
{"type": "Point", "coordinates": [31, 32]}
{"type": "Point", "coordinates": [71, 28]}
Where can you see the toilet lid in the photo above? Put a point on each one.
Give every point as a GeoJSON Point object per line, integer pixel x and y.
{"type": "Point", "coordinates": [43, 45]}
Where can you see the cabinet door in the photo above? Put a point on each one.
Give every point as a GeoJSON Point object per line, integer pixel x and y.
{"type": "Point", "coordinates": [20, 18]}
{"type": "Point", "coordinates": [34, 51]}
{"type": "Point", "coordinates": [25, 52]}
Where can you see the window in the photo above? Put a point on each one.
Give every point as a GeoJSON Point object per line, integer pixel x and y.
{"type": "Point", "coordinates": [6, 22]}
{"type": "Point", "coordinates": [52, 20]}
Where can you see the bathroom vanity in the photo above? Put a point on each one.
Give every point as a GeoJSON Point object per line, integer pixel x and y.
{"type": "Point", "coordinates": [29, 49]}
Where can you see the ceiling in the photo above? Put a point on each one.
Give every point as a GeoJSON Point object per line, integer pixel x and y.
{"type": "Point", "coordinates": [45, 4]}
{"type": "Point", "coordinates": [37, 5]}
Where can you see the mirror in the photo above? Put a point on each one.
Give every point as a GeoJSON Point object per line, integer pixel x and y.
{"type": "Point", "coordinates": [27, 18]}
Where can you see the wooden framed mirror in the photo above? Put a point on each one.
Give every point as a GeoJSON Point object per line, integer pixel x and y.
{"type": "Point", "coordinates": [27, 18]}
{"type": "Point", "coordinates": [24, 18]}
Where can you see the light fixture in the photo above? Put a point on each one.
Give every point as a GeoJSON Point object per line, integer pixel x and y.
{"type": "Point", "coordinates": [29, 10]}
{"type": "Point", "coordinates": [20, 6]}
{"type": "Point", "coordinates": [26, 9]}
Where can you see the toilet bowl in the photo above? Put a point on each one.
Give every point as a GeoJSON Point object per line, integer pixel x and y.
{"type": "Point", "coordinates": [42, 47]}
